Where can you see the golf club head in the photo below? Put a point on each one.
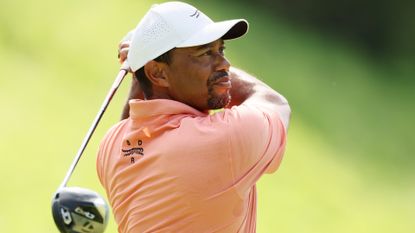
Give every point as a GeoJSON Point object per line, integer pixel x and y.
{"type": "Point", "coordinates": [79, 210]}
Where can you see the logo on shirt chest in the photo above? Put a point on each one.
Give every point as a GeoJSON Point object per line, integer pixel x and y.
{"type": "Point", "coordinates": [129, 153]}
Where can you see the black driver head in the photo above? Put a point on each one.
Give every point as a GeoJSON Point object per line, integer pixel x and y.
{"type": "Point", "coordinates": [79, 210]}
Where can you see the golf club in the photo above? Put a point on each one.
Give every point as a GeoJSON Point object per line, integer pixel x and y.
{"type": "Point", "coordinates": [77, 209]}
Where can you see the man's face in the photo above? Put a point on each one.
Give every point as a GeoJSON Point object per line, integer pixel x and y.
{"type": "Point", "coordinates": [199, 76]}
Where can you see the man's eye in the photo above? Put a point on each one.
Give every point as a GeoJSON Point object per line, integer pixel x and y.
{"type": "Point", "coordinates": [222, 50]}
{"type": "Point", "coordinates": [207, 53]}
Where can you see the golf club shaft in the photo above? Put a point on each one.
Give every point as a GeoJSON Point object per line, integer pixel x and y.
{"type": "Point", "coordinates": [123, 72]}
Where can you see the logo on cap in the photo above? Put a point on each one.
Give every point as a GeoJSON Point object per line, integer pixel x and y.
{"type": "Point", "coordinates": [196, 14]}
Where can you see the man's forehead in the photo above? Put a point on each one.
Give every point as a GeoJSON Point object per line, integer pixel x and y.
{"type": "Point", "coordinates": [212, 44]}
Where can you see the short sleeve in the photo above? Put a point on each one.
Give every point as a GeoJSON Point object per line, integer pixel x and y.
{"type": "Point", "coordinates": [257, 143]}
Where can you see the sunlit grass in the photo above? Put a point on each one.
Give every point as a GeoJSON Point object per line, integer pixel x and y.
{"type": "Point", "coordinates": [319, 189]}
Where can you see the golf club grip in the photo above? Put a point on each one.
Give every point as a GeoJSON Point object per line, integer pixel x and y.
{"type": "Point", "coordinates": [123, 72]}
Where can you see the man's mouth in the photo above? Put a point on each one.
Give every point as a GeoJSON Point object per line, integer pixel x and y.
{"type": "Point", "coordinates": [222, 79]}
{"type": "Point", "coordinates": [224, 82]}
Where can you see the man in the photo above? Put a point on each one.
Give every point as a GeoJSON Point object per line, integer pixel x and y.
{"type": "Point", "coordinates": [173, 165]}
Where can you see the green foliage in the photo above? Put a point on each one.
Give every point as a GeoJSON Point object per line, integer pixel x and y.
{"type": "Point", "coordinates": [385, 28]}
{"type": "Point", "coordinates": [348, 165]}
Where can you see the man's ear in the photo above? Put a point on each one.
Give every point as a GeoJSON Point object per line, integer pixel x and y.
{"type": "Point", "coordinates": [155, 72]}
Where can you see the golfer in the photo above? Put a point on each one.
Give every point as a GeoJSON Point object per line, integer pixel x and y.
{"type": "Point", "coordinates": [199, 133]}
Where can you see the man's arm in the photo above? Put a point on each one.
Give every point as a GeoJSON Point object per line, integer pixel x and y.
{"type": "Point", "coordinates": [247, 89]}
{"type": "Point", "coordinates": [135, 91]}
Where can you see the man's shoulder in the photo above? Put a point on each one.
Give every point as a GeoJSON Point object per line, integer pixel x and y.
{"type": "Point", "coordinates": [223, 122]}
{"type": "Point", "coordinates": [239, 113]}
{"type": "Point", "coordinates": [114, 130]}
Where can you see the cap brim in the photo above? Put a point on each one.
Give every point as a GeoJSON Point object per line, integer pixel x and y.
{"type": "Point", "coordinates": [227, 30]}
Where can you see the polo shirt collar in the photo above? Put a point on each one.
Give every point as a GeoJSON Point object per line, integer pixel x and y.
{"type": "Point", "coordinates": [147, 108]}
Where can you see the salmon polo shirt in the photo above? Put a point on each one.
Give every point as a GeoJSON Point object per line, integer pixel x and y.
{"type": "Point", "coordinates": [172, 168]}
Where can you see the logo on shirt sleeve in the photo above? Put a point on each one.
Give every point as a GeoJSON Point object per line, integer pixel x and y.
{"type": "Point", "coordinates": [129, 153]}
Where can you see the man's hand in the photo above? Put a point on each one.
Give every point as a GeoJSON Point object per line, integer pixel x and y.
{"type": "Point", "coordinates": [135, 91]}
{"type": "Point", "coordinates": [123, 48]}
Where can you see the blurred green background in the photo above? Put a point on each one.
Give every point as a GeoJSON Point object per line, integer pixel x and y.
{"type": "Point", "coordinates": [347, 69]}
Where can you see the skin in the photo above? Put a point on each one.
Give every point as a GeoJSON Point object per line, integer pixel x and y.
{"type": "Point", "coordinates": [203, 78]}
{"type": "Point", "coordinates": [199, 76]}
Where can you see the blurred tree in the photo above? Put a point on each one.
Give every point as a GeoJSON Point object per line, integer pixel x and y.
{"type": "Point", "coordinates": [385, 28]}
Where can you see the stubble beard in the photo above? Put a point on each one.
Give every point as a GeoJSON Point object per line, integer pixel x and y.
{"type": "Point", "coordinates": [217, 101]}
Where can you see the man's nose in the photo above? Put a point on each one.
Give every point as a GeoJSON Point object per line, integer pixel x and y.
{"type": "Point", "coordinates": [222, 63]}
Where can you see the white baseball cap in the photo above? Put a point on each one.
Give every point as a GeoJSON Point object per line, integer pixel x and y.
{"type": "Point", "coordinates": [176, 25]}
